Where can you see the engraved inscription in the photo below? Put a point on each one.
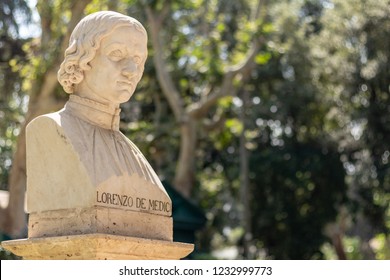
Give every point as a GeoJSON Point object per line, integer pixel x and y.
{"type": "Point", "coordinates": [158, 205]}
{"type": "Point", "coordinates": [128, 201]}
{"type": "Point", "coordinates": [114, 199]}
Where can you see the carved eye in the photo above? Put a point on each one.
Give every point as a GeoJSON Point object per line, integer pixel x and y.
{"type": "Point", "coordinates": [116, 55]}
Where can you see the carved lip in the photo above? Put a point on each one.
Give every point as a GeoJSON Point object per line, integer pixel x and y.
{"type": "Point", "coordinates": [125, 83]}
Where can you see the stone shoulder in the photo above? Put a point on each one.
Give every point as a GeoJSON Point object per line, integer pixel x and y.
{"type": "Point", "coordinates": [52, 118]}
{"type": "Point", "coordinates": [47, 126]}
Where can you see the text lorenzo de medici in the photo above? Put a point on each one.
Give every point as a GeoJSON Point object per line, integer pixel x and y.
{"type": "Point", "coordinates": [128, 201]}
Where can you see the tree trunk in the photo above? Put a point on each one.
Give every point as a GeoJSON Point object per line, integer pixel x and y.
{"type": "Point", "coordinates": [13, 221]}
{"type": "Point", "coordinates": [338, 245]}
{"type": "Point", "coordinates": [42, 100]}
{"type": "Point", "coordinates": [335, 231]}
{"type": "Point", "coordinates": [187, 116]}
{"type": "Point", "coordinates": [244, 181]}
{"type": "Point", "coordinates": [184, 177]}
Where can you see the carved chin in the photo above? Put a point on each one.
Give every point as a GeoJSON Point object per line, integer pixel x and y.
{"type": "Point", "coordinates": [125, 95]}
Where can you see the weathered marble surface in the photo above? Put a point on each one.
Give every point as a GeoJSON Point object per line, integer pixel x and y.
{"type": "Point", "coordinates": [78, 153]}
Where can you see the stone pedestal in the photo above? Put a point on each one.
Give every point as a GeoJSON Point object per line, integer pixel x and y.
{"type": "Point", "coordinates": [97, 247]}
{"type": "Point", "coordinates": [99, 219]}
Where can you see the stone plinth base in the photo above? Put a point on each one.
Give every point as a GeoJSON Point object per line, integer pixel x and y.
{"type": "Point", "coordinates": [78, 221]}
{"type": "Point", "coordinates": [97, 247]}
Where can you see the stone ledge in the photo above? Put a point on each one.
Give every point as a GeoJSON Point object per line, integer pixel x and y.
{"type": "Point", "coordinates": [97, 247]}
{"type": "Point", "coordinates": [98, 219]}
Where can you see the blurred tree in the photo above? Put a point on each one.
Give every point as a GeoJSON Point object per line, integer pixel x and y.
{"type": "Point", "coordinates": [355, 42]}
{"type": "Point", "coordinates": [10, 82]}
{"type": "Point", "coordinates": [39, 80]}
{"type": "Point", "coordinates": [305, 134]}
{"type": "Point", "coordinates": [12, 99]}
{"type": "Point", "coordinates": [205, 70]}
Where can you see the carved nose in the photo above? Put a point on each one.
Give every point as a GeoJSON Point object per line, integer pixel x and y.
{"type": "Point", "coordinates": [130, 69]}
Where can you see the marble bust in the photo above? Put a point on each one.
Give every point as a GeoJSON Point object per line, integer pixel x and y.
{"type": "Point", "coordinates": [83, 174]}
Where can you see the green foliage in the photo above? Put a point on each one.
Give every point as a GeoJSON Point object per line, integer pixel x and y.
{"type": "Point", "coordinates": [357, 52]}
{"type": "Point", "coordinates": [9, 23]}
{"type": "Point", "coordinates": [298, 189]}
{"type": "Point", "coordinates": [13, 101]}
{"type": "Point", "coordinates": [308, 120]}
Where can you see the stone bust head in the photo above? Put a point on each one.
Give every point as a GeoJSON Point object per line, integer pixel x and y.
{"type": "Point", "coordinates": [105, 58]}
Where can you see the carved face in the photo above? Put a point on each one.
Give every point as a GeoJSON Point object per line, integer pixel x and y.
{"type": "Point", "coordinates": [116, 68]}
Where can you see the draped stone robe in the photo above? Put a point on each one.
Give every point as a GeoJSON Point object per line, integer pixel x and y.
{"type": "Point", "coordinates": [80, 165]}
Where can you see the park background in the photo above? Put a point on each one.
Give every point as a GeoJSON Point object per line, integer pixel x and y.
{"type": "Point", "coordinates": [271, 118]}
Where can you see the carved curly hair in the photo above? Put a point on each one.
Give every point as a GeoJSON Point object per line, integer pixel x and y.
{"type": "Point", "coordinates": [85, 41]}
